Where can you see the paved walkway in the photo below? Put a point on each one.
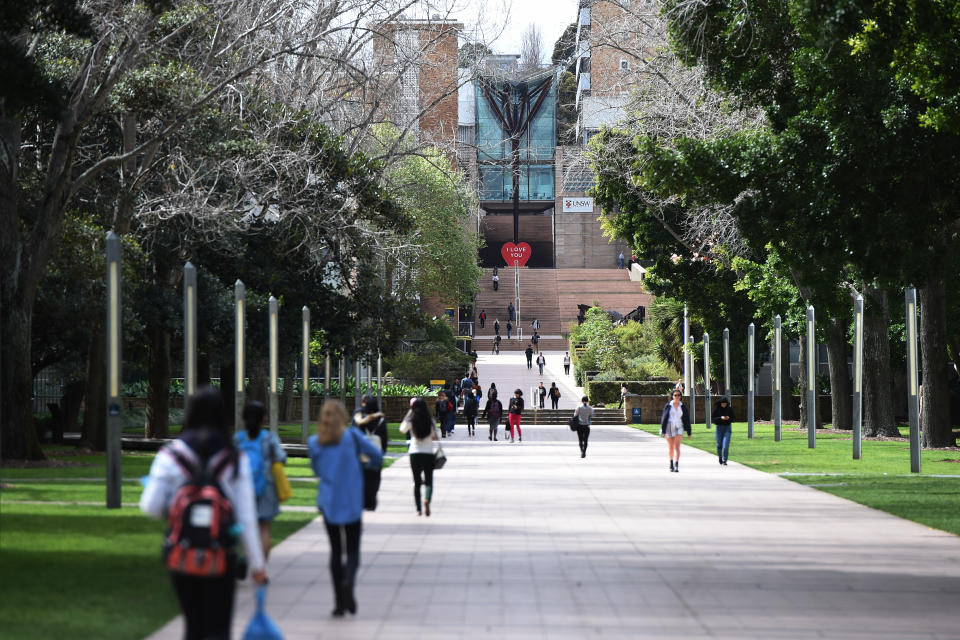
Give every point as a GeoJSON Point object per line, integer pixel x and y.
{"type": "Point", "coordinates": [531, 541]}
{"type": "Point", "coordinates": [509, 370]}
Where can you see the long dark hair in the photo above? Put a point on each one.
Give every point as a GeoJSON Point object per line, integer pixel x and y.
{"type": "Point", "coordinates": [369, 403]}
{"type": "Point", "coordinates": [420, 420]}
{"type": "Point", "coordinates": [205, 426]}
{"type": "Point", "coordinates": [253, 415]}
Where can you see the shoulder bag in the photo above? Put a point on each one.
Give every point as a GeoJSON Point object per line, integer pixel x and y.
{"type": "Point", "coordinates": [439, 458]}
{"type": "Point", "coordinates": [281, 484]}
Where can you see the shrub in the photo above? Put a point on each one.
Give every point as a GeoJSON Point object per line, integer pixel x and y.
{"type": "Point", "coordinates": [610, 391]}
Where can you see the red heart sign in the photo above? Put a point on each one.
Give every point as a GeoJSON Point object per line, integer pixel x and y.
{"type": "Point", "coordinates": [518, 253]}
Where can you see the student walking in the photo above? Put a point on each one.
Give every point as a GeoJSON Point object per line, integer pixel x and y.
{"type": "Point", "coordinates": [542, 393]}
{"type": "Point", "coordinates": [510, 311]}
{"type": "Point", "coordinates": [509, 329]}
{"type": "Point", "coordinates": [422, 432]}
{"type": "Point", "coordinates": [470, 406]}
{"type": "Point", "coordinates": [554, 394]}
{"type": "Point", "coordinates": [492, 391]}
{"type": "Point", "coordinates": [492, 413]}
{"type": "Point", "coordinates": [623, 394]}
{"type": "Point", "coordinates": [496, 343]}
{"type": "Point", "coordinates": [536, 341]}
{"type": "Point", "coordinates": [583, 415]}
{"type": "Point", "coordinates": [262, 448]}
{"type": "Point", "coordinates": [483, 318]}
{"type": "Point", "coordinates": [723, 417]}
{"type": "Point", "coordinates": [516, 411]}
{"type": "Point", "coordinates": [496, 326]}
{"type": "Point", "coordinates": [204, 446]}
{"type": "Point", "coordinates": [674, 421]}
{"type": "Point", "coordinates": [442, 410]}
{"type": "Point", "coordinates": [535, 324]}
{"type": "Point", "coordinates": [529, 353]}
{"type": "Point", "coordinates": [541, 362]}
{"type": "Point", "coordinates": [335, 452]}
{"type": "Point", "coordinates": [566, 363]}
{"type": "Point", "coordinates": [496, 282]}
{"type": "Point", "coordinates": [620, 260]}
{"type": "Point", "coordinates": [373, 423]}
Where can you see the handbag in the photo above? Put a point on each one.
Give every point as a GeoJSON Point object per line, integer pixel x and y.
{"type": "Point", "coordinates": [574, 423]}
{"type": "Point", "coordinates": [261, 626]}
{"type": "Point", "coordinates": [439, 459]}
{"type": "Point", "coordinates": [371, 473]}
{"type": "Point", "coordinates": [281, 484]}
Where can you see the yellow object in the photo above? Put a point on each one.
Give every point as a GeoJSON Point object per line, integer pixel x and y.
{"type": "Point", "coordinates": [280, 482]}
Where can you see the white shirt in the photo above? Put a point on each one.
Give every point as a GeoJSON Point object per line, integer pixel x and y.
{"type": "Point", "coordinates": [418, 445]}
{"type": "Point", "coordinates": [166, 476]}
{"type": "Point", "coordinates": [676, 416]}
{"type": "Point", "coordinates": [566, 360]}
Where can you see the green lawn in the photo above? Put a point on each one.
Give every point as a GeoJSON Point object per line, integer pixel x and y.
{"type": "Point", "coordinates": [881, 479]}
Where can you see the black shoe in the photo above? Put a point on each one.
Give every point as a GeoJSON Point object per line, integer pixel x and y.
{"type": "Point", "coordinates": [671, 465]}
{"type": "Point", "coordinates": [489, 437]}
{"type": "Point", "coordinates": [336, 613]}
{"type": "Point", "coordinates": [721, 461]}
{"type": "Point", "coordinates": [676, 467]}
{"type": "Point", "coordinates": [351, 604]}
{"type": "Point", "coordinates": [724, 463]}
{"type": "Point", "coordinates": [583, 454]}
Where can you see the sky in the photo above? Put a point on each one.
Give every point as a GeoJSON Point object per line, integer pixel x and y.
{"type": "Point", "coordinates": [552, 16]}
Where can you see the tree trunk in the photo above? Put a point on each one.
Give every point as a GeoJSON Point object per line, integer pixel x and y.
{"type": "Point", "coordinates": [841, 401]}
{"type": "Point", "coordinates": [71, 402]}
{"type": "Point", "coordinates": [95, 416]}
{"type": "Point", "coordinates": [878, 416]}
{"type": "Point", "coordinates": [158, 380]}
{"type": "Point", "coordinates": [935, 414]}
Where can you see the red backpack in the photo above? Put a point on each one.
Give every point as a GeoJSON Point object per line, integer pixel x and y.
{"type": "Point", "coordinates": [200, 538]}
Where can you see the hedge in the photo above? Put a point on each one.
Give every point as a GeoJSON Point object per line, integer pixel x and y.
{"type": "Point", "coordinates": [605, 392]}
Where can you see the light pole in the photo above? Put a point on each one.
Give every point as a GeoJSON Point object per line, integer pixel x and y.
{"type": "Point", "coordinates": [114, 375]}
{"type": "Point", "coordinates": [811, 380]}
{"type": "Point", "coordinates": [726, 365]}
{"type": "Point", "coordinates": [693, 380]}
{"type": "Point", "coordinates": [750, 367]}
{"type": "Point", "coordinates": [857, 377]}
{"type": "Point", "coordinates": [777, 376]}
{"type": "Point", "coordinates": [274, 363]}
{"type": "Point", "coordinates": [913, 391]}
{"type": "Point", "coordinates": [707, 409]}
{"type": "Point", "coordinates": [189, 331]}
{"type": "Point", "coordinates": [326, 376]}
{"type": "Point", "coordinates": [239, 302]}
{"type": "Point", "coordinates": [686, 353]}
{"type": "Point", "coordinates": [305, 385]}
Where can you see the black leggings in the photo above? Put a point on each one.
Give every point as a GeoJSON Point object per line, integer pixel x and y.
{"type": "Point", "coordinates": [555, 402]}
{"type": "Point", "coordinates": [422, 463]}
{"type": "Point", "coordinates": [343, 571]}
{"type": "Point", "coordinates": [583, 434]}
{"type": "Point", "coordinates": [207, 604]}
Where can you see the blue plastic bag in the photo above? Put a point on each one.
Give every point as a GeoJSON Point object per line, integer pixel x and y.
{"type": "Point", "coordinates": [261, 626]}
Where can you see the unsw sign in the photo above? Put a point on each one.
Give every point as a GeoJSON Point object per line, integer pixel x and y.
{"type": "Point", "coordinates": [578, 205]}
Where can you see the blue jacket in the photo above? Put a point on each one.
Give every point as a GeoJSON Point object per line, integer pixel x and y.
{"type": "Point", "coordinates": [340, 494]}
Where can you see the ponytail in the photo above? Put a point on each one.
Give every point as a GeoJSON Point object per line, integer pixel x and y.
{"type": "Point", "coordinates": [253, 415]}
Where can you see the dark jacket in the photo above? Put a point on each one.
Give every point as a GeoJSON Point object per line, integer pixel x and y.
{"type": "Point", "coordinates": [666, 416]}
{"type": "Point", "coordinates": [516, 405]}
{"type": "Point", "coordinates": [494, 406]}
{"type": "Point", "coordinates": [529, 352]}
{"type": "Point", "coordinates": [375, 423]}
{"type": "Point", "coordinates": [470, 405]}
{"type": "Point", "coordinates": [719, 411]}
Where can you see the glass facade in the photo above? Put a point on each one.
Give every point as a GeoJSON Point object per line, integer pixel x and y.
{"type": "Point", "coordinates": [537, 143]}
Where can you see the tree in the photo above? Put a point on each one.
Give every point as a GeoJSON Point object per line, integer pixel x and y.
{"type": "Point", "coordinates": [471, 53]}
{"type": "Point", "coordinates": [531, 49]}
{"type": "Point", "coordinates": [565, 47]}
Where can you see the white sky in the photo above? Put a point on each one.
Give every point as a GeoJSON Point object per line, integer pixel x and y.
{"type": "Point", "coordinates": [552, 16]}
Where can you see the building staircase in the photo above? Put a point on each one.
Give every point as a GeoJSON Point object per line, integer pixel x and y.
{"type": "Point", "coordinates": [535, 417]}
{"type": "Point", "coordinates": [551, 296]}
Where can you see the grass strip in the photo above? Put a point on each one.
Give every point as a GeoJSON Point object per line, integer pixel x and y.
{"type": "Point", "coordinates": [880, 479]}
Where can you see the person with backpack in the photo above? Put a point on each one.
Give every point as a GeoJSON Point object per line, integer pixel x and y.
{"type": "Point", "coordinates": [204, 487]}
{"type": "Point", "coordinates": [483, 318]}
{"type": "Point", "coordinates": [470, 406]}
{"type": "Point", "coordinates": [554, 394]}
{"type": "Point", "coordinates": [443, 410]}
{"type": "Point", "coordinates": [582, 417]}
{"type": "Point", "coordinates": [515, 411]}
{"type": "Point", "coordinates": [535, 339]}
{"type": "Point", "coordinates": [373, 423]}
{"type": "Point", "coordinates": [336, 453]}
{"type": "Point", "coordinates": [262, 448]}
{"type": "Point", "coordinates": [492, 412]}
{"type": "Point", "coordinates": [422, 432]}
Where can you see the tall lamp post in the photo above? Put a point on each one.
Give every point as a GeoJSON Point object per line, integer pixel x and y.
{"type": "Point", "coordinates": [913, 391]}
{"type": "Point", "coordinates": [707, 409]}
{"type": "Point", "coordinates": [857, 377]}
{"type": "Point", "coordinates": [777, 376]}
{"type": "Point", "coordinates": [686, 353]}
{"type": "Point", "coordinates": [750, 378]}
{"type": "Point", "coordinates": [305, 385]}
{"type": "Point", "coordinates": [114, 343]}
{"type": "Point", "coordinates": [726, 365]}
{"type": "Point", "coordinates": [239, 390]}
{"type": "Point", "coordinates": [274, 363]}
{"type": "Point", "coordinates": [693, 381]}
{"type": "Point", "coordinates": [189, 330]}
{"type": "Point", "coordinates": [811, 380]}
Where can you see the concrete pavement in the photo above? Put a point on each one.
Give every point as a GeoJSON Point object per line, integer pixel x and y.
{"type": "Point", "coordinates": [531, 541]}
{"type": "Point", "coordinates": [509, 370]}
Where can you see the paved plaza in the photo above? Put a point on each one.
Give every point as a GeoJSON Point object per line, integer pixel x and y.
{"type": "Point", "coordinates": [531, 541]}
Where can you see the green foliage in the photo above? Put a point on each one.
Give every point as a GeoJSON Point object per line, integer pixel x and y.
{"type": "Point", "coordinates": [607, 391]}
{"type": "Point", "coordinates": [434, 358]}
{"type": "Point", "coordinates": [628, 352]}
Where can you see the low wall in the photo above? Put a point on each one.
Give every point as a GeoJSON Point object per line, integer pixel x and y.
{"type": "Point", "coordinates": [395, 407]}
{"type": "Point", "coordinates": [651, 407]}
